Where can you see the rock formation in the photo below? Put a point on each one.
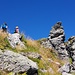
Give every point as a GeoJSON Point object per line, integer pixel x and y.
{"type": "Point", "coordinates": [17, 63]}
{"type": "Point", "coordinates": [65, 69]}
{"type": "Point", "coordinates": [56, 40]}
{"type": "Point", "coordinates": [14, 40]}
{"type": "Point", "coordinates": [66, 50]}
{"type": "Point", "coordinates": [71, 50]}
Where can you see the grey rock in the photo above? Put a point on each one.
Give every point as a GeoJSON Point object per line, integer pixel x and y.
{"type": "Point", "coordinates": [47, 44]}
{"type": "Point", "coordinates": [15, 62]}
{"type": "Point", "coordinates": [71, 50]}
{"type": "Point", "coordinates": [57, 35]}
{"type": "Point", "coordinates": [73, 46]}
{"type": "Point", "coordinates": [65, 68]}
{"type": "Point", "coordinates": [14, 40]}
{"type": "Point", "coordinates": [56, 40]}
{"type": "Point", "coordinates": [64, 73]}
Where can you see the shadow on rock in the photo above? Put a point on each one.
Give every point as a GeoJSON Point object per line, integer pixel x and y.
{"type": "Point", "coordinates": [32, 71]}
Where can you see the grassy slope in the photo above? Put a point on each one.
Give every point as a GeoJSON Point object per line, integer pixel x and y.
{"type": "Point", "coordinates": [34, 46]}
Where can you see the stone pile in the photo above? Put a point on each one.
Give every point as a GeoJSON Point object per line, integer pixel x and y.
{"type": "Point", "coordinates": [56, 40]}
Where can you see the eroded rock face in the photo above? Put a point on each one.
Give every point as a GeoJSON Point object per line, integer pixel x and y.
{"type": "Point", "coordinates": [56, 40]}
{"type": "Point", "coordinates": [65, 50]}
{"type": "Point", "coordinates": [57, 35]}
{"type": "Point", "coordinates": [71, 50]}
{"type": "Point", "coordinates": [65, 68]}
{"type": "Point", "coordinates": [16, 63]}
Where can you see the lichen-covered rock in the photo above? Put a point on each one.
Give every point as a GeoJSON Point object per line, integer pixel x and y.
{"type": "Point", "coordinates": [70, 46]}
{"type": "Point", "coordinates": [47, 43]}
{"type": "Point", "coordinates": [57, 35]}
{"type": "Point", "coordinates": [16, 63]}
{"type": "Point", "coordinates": [14, 40]}
{"type": "Point", "coordinates": [56, 40]}
{"type": "Point", "coordinates": [65, 68]}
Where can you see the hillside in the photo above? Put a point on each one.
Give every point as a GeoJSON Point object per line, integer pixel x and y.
{"type": "Point", "coordinates": [46, 56]}
{"type": "Point", "coordinates": [46, 59]}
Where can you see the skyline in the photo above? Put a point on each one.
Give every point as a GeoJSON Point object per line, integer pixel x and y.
{"type": "Point", "coordinates": [36, 17]}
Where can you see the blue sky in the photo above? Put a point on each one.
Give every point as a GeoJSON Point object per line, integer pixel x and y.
{"type": "Point", "coordinates": [36, 17]}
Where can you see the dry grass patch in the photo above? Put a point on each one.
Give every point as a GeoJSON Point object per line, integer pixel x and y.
{"type": "Point", "coordinates": [3, 34]}
{"type": "Point", "coordinates": [33, 43]}
{"type": "Point", "coordinates": [3, 40]}
{"type": "Point", "coordinates": [49, 59]}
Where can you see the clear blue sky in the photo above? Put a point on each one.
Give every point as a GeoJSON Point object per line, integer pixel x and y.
{"type": "Point", "coordinates": [36, 17]}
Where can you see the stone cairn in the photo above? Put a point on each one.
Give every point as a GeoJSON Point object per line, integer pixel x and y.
{"type": "Point", "coordinates": [56, 40]}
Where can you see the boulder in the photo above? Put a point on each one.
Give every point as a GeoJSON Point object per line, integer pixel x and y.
{"type": "Point", "coordinates": [14, 40]}
{"type": "Point", "coordinates": [70, 46]}
{"type": "Point", "coordinates": [17, 63]}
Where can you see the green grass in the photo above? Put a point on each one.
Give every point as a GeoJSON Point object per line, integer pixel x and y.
{"type": "Point", "coordinates": [4, 43]}
{"type": "Point", "coordinates": [34, 59]}
{"type": "Point", "coordinates": [70, 60]}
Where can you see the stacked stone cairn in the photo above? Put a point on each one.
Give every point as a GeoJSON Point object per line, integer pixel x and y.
{"type": "Point", "coordinates": [56, 40]}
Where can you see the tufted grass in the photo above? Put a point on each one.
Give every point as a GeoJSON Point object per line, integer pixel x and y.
{"type": "Point", "coordinates": [4, 44]}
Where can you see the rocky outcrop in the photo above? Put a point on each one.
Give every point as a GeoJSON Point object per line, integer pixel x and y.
{"type": "Point", "coordinates": [56, 40]}
{"type": "Point", "coordinates": [47, 43]}
{"type": "Point", "coordinates": [14, 40]}
{"type": "Point", "coordinates": [65, 50]}
{"type": "Point", "coordinates": [17, 63]}
{"type": "Point", "coordinates": [70, 46]}
{"type": "Point", "coordinates": [65, 69]}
